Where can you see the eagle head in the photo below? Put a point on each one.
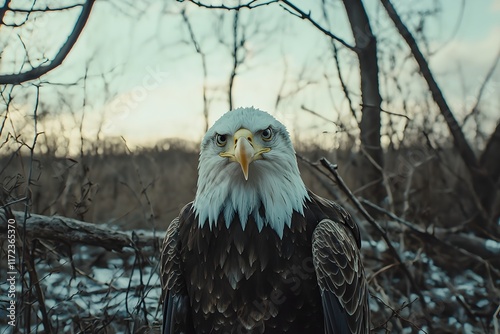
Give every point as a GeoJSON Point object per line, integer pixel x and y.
{"type": "Point", "coordinates": [247, 168]}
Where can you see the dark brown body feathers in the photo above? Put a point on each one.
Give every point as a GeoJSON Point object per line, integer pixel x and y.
{"type": "Point", "coordinates": [230, 280]}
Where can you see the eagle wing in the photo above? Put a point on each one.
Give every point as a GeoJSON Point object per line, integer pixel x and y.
{"type": "Point", "coordinates": [338, 266]}
{"type": "Point", "coordinates": [176, 305]}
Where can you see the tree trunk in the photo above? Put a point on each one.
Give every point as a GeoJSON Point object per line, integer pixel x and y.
{"type": "Point", "coordinates": [366, 50]}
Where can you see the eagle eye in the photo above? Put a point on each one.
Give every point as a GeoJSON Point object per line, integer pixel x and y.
{"type": "Point", "coordinates": [267, 134]}
{"type": "Point", "coordinates": [221, 140]}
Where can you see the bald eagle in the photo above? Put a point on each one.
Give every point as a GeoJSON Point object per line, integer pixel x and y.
{"type": "Point", "coordinates": [256, 252]}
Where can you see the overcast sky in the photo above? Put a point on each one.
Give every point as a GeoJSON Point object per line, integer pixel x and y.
{"type": "Point", "coordinates": [145, 78]}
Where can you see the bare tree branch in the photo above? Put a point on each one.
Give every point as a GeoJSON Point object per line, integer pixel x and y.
{"type": "Point", "coordinates": [45, 9]}
{"type": "Point", "coordinates": [249, 5]}
{"type": "Point", "coordinates": [482, 182]}
{"type": "Point", "coordinates": [235, 48]}
{"type": "Point", "coordinates": [464, 148]}
{"type": "Point", "coordinates": [481, 89]}
{"type": "Point", "coordinates": [34, 280]}
{"type": "Point", "coordinates": [343, 186]}
{"type": "Point", "coordinates": [289, 7]}
{"type": "Point", "coordinates": [341, 79]}
{"type": "Point", "coordinates": [294, 10]}
{"type": "Point", "coordinates": [203, 57]}
{"type": "Point", "coordinates": [36, 72]}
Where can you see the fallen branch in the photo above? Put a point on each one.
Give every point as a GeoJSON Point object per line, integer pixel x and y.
{"type": "Point", "coordinates": [479, 249]}
{"type": "Point", "coordinates": [70, 231]}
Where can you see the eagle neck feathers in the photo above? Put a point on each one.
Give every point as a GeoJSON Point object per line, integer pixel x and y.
{"type": "Point", "coordinates": [270, 195]}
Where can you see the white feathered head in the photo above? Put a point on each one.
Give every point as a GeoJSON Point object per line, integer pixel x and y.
{"type": "Point", "coordinates": [248, 167]}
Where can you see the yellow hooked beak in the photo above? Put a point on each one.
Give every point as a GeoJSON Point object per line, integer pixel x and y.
{"type": "Point", "coordinates": [244, 150]}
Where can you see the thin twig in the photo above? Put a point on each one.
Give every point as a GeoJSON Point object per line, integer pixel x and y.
{"type": "Point", "coordinates": [496, 316]}
{"type": "Point", "coordinates": [303, 107]}
{"type": "Point", "coordinates": [341, 79]}
{"type": "Point", "coordinates": [203, 59]}
{"type": "Point", "coordinates": [248, 5]}
{"type": "Point", "coordinates": [296, 11]}
{"type": "Point", "coordinates": [481, 89]}
{"type": "Point", "coordinates": [388, 112]}
{"type": "Point", "coordinates": [25, 256]}
{"type": "Point", "coordinates": [44, 9]}
{"type": "Point", "coordinates": [34, 282]}
{"type": "Point", "coordinates": [333, 170]}
{"type": "Point", "coordinates": [396, 313]}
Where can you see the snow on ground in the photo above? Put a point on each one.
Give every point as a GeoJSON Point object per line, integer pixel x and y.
{"type": "Point", "coordinates": [116, 292]}
{"type": "Point", "coordinates": [95, 290]}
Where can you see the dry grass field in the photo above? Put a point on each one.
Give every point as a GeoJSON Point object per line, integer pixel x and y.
{"type": "Point", "coordinates": [150, 185]}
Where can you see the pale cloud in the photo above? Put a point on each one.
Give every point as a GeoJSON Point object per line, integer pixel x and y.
{"type": "Point", "coordinates": [495, 5]}
{"type": "Point", "coordinates": [474, 56]}
{"type": "Point", "coordinates": [461, 68]}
